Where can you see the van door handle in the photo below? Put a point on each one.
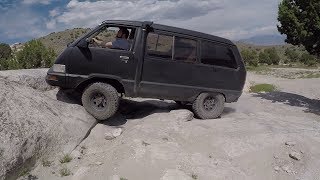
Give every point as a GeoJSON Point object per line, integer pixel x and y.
{"type": "Point", "coordinates": [124, 58]}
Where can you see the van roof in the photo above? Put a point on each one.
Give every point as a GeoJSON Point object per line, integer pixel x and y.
{"type": "Point", "coordinates": [169, 28]}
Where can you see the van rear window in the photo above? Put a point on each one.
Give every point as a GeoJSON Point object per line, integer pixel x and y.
{"type": "Point", "coordinates": [159, 45]}
{"type": "Point", "coordinates": [217, 55]}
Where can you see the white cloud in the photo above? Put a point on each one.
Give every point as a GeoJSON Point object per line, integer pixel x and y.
{"type": "Point", "coordinates": [227, 18]}
{"type": "Point", "coordinates": [91, 13]}
{"type": "Point", "coordinates": [37, 1]}
{"type": "Point", "coordinates": [54, 12]}
{"type": "Point", "coordinates": [25, 24]}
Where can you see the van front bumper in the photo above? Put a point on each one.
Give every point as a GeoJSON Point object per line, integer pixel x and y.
{"type": "Point", "coordinates": [56, 79]}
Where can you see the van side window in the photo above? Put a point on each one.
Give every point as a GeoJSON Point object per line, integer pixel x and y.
{"type": "Point", "coordinates": [185, 49]}
{"type": "Point", "coordinates": [159, 45]}
{"type": "Point", "coordinates": [219, 55]}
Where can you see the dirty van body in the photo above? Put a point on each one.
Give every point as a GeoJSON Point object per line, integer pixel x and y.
{"type": "Point", "coordinates": [163, 62]}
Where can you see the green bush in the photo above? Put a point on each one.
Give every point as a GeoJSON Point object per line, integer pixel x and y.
{"type": "Point", "coordinates": [308, 59]}
{"type": "Point", "coordinates": [274, 57]}
{"type": "Point", "coordinates": [35, 55]}
{"type": "Point", "coordinates": [65, 159]}
{"type": "Point", "coordinates": [65, 172]}
{"type": "Point", "coordinates": [269, 56]}
{"type": "Point", "coordinates": [264, 58]}
{"type": "Point", "coordinates": [292, 55]}
{"type": "Point", "coordinates": [5, 51]}
{"type": "Point", "coordinates": [250, 57]}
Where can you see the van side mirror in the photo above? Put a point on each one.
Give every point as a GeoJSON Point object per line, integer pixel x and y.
{"type": "Point", "coordinates": [83, 43]}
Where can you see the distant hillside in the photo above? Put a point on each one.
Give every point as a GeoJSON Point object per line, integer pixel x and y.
{"type": "Point", "coordinates": [265, 40]}
{"type": "Point", "coordinates": [279, 48]}
{"type": "Point", "coordinates": [59, 40]}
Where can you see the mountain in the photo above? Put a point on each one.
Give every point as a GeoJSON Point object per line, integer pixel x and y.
{"type": "Point", "coordinates": [265, 40]}
{"type": "Point", "coordinates": [59, 40]}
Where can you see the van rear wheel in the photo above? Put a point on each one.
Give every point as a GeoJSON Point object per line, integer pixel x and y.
{"type": "Point", "coordinates": [208, 105]}
{"type": "Point", "coordinates": [101, 100]}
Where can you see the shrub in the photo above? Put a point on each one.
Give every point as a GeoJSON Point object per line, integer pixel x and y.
{"type": "Point", "coordinates": [264, 58]}
{"type": "Point", "coordinates": [5, 51]}
{"type": "Point", "coordinates": [308, 59]}
{"type": "Point", "coordinates": [35, 55]}
{"type": "Point", "coordinates": [262, 88]}
{"type": "Point", "coordinates": [250, 57]}
{"type": "Point", "coordinates": [292, 55]}
{"type": "Point", "coordinates": [274, 57]}
{"type": "Point", "coordinates": [65, 159]}
{"type": "Point", "coordinates": [269, 56]}
{"type": "Point", "coordinates": [65, 172]}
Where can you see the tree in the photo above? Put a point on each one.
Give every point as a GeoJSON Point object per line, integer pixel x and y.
{"type": "Point", "coordinates": [5, 51]}
{"type": "Point", "coordinates": [250, 57]}
{"type": "Point", "coordinates": [300, 22]}
{"type": "Point", "coordinates": [35, 55]}
{"type": "Point", "coordinates": [292, 55]}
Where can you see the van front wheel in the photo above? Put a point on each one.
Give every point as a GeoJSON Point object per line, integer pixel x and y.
{"type": "Point", "coordinates": [208, 105]}
{"type": "Point", "coordinates": [101, 100]}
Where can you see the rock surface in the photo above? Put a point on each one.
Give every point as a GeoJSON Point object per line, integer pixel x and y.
{"type": "Point", "coordinates": [247, 142]}
{"type": "Point", "coordinates": [295, 156]}
{"type": "Point", "coordinates": [33, 122]}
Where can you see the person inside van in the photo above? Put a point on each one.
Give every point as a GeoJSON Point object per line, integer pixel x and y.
{"type": "Point", "coordinates": [121, 41]}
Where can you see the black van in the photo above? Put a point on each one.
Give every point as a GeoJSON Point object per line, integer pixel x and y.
{"type": "Point", "coordinates": [150, 61]}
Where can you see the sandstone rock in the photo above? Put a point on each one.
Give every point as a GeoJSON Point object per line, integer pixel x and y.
{"type": "Point", "coordinates": [290, 143]}
{"type": "Point", "coordinates": [99, 163]}
{"type": "Point", "coordinates": [174, 174]}
{"type": "Point", "coordinates": [184, 115]}
{"type": "Point", "coordinates": [113, 134]}
{"type": "Point", "coordinates": [80, 173]}
{"type": "Point", "coordinates": [33, 121]}
{"type": "Point", "coordinates": [114, 177]}
{"type": "Point", "coordinates": [287, 168]}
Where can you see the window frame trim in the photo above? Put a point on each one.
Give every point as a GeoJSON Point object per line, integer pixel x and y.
{"type": "Point", "coordinates": [106, 26]}
{"type": "Point", "coordinates": [158, 32]}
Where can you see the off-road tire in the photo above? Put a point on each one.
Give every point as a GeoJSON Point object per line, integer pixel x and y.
{"type": "Point", "coordinates": [111, 98]}
{"type": "Point", "coordinates": [199, 108]}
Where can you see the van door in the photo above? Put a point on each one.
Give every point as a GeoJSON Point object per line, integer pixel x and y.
{"type": "Point", "coordinates": [168, 65]}
{"type": "Point", "coordinates": [97, 61]}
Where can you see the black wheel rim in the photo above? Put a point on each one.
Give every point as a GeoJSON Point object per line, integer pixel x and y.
{"type": "Point", "coordinates": [209, 103]}
{"type": "Point", "coordinates": [98, 101]}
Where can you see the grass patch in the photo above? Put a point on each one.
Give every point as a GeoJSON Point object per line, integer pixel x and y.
{"type": "Point", "coordinates": [24, 172]}
{"type": "Point", "coordinates": [123, 178]}
{"type": "Point", "coordinates": [65, 172]}
{"type": "Point", "coordinates": [65, 159]}
{"type": "Point", "coordinates": [46, 163]}
{"type": "Point", "coordinates": [262, 88]}
{"type": "Point", "coordinates": [194, 176]}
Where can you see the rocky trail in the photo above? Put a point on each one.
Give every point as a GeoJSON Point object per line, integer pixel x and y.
{"type": "Point", "coordinates": [263, 136]}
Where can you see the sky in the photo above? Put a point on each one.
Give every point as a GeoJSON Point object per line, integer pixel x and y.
{"type": "Point", "coordinates": [23, 20]}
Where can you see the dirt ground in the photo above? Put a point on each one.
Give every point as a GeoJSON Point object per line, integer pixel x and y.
{"type": "Point", "coordinates": [263, 136]}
